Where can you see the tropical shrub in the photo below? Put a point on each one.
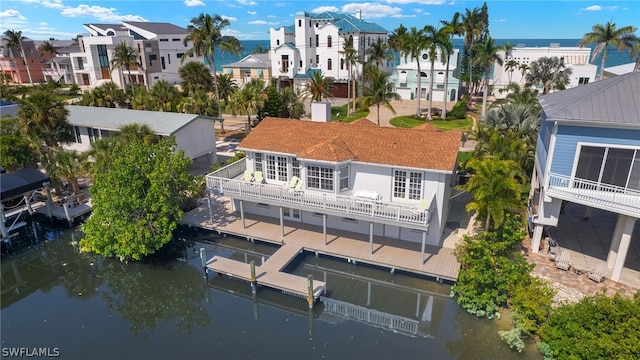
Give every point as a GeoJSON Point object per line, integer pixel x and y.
{"type": "Point", "coordinates": [458, 111]}
{"type": "Point", "coordinates": [513, 338]}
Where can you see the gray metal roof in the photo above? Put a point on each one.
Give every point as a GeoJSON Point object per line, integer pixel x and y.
{"type": "Point", "coordinates": [157, 27]}
{"type": "Point", "coordinates": [162, 123]}
{"type": "Point", "coordinates": [614, 101]}
{"type": "Point", "coordinates": [255, 61]}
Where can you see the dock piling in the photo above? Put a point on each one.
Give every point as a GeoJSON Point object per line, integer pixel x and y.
{"type": "Point", "coordinates": [203, 260]}
{"type": "Point", "coordinates": [310, 294]}
{"type": "Point", "coordinates": [252, 264]}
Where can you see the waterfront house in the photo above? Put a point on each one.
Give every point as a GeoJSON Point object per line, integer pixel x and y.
{"type": "Point", "coordinates": [254, 66]}
{"type": "Point", "coordinates": [316, 41]}
{"type": "Point", "coordinates": [193, 133]}
{"type": "Point", "coordinates": [160, 50]}
{"type": "Point", "coordinates": [574, 58]}
{"type": "Point", "coordinates": [405, 77]}
{"type": "Point", "coordinates": [59, 67]}
{"type": "Point", "coordinates": [356, 177]}
{"type": "Point", "coordinates": [14, 68]}
{"type": "Point", "coordinates": [588, 152]}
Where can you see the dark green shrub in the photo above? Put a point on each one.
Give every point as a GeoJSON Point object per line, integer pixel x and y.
{"type": "Point", "coordinates": [458, 111]}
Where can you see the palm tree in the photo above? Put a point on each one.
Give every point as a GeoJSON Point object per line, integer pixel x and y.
{"type": "Point", "coordinates": [604, 35]}
{"type": "Point", "coordinates": [249, 100]}
{"type": "Point", "coordinates": [43, 119]}
{"type": "Point", "coordinates": [205, 32]}
{"type": "Point", "coordinates": [517, 94]}
{"type": "Point", "coordinates": [67, 166]}
{"type": "Point", "coordinates": [260, 50]}
{"type": "Point", "coordinates": [126, 57]}
{"type": "Point", "coordinates": [452, 28]}
{"type": "Point", "coordinates": [293, 107]}
{"type": "Point", "coordinates": [635, 52]}
{"type": "Point", "coordinates": [378, 52]}
{"type": "Point", "coordinates": [351, 58]}
{"type": "Point", "coordinates": [412, 43]}
{"type": "Point", "coordinates": [511, 66]}
{"type": "Point", "coordinates": [487, 55]}
{"type": "Point", "coordinates": [520, 117]}
{"type": "Point", "coordinates": [436, 39]}
{"type": "Point", "coordinates": [524, 68]}
{"type": "Point", "coordinates": [379, 90]}
{"type": "Point", "coordinates": [47, 48]}
{"type": "Point", "coordinates": [473, 26]}
{"type": "Point", "coordinates": [550, 72]}
{"type": "Point", "coordinates": [195, 76]}
{"type": "Point", "coordinates": [318, 88]}
{"type": "Point", "coordinates": [165, 95]}
{"type": "Point", "coordinates": [14, 38]}
{"type": "Point", "coordinates": [494, 190]}
{"type": "Point", "coordinates": [227, 86]}
{"type": "Point", "coordinates": [199, 102]}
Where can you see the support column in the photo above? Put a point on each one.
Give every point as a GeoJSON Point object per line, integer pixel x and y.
{"type": "Point", "coordinates": [424, 242]}
{"type": "Point", "coordinates": [371, 238]}
{"type": "Point", "coordinates": [324, 228]}
{"type": "Point", "coordinates": [537, 237]}
{"type": "Point", "coordinates": [244, 226]}
{"type": "Point", "coordinates": [625, 240]}
{"type": "Point", "coordinates": [3, 228]}
{"type": "Point", "coordinates": [281, 221]}
{"type": "Point", "coordinates": [615, 241]}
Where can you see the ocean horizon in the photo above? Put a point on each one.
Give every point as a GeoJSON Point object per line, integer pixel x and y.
{"type": "Point", "coordinates": [614, 57]}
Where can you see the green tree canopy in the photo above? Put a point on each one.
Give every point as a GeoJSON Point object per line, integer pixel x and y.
{"type": "Point", "coordinates": [609, 35]}
{"type": "Point", "coordinates": [378, 90]}
{"type": "Point", "coordinates": [195, 76]}
{"type": "Point", "coordinates": [137, 199]}
{"type": "Point", "coordinates": [551, 72]}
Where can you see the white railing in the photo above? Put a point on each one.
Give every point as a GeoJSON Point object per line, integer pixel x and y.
{"type": "Point", "coordinates": [222, 181]}
{"type": "Point", "coordinates": [370, 316]}
{"type": "Point", "coordinates": [595, 192]}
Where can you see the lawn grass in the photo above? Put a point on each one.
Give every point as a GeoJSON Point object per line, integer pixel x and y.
{"type": "Point", "coordinates": [338, 114]}
{"type": "Point", "coordinates": [410, 121]}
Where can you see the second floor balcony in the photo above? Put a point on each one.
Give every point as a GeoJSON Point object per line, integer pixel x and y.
{"type": "Point", "coordinates": [618, 199]}
{"type": "Point", "coordinates": [228, 182]}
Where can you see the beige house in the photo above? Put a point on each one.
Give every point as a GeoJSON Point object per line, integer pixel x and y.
{"type": "Point", "coordinates": [254, 66]}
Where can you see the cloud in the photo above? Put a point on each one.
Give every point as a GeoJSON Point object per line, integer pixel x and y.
{"type": "Point", "coordinates": [247, 2]}
{"type": "Point", "coordinates": [281, 4]}
{"type": "Point", "coordinates": [11, 15]}
{"type": "Point", "coordinates": [230, 18]}
{"type": "Point", "coordinates": [262, 22]}
{"type": "Point", "coordinates": [194, 3]}
{"type": "Point", "coordinates": [399, 16]}
{"type": "Point", "coordinates": [502, 20]}
{"type": "Point", "coordinates": [592, 8]}
{"type": "Point", "coordinates": [54, 4]}
{"type": "Point", "coordinates": [371, 10]}
{"type": "Point", "coordinates": [322, 9]}
{"type": "Point", "coordinates": [252, 12]}
{"type": "Point", "coordinates": [100, 13]}
{"type": "Point", "coordinates": [423, 2]}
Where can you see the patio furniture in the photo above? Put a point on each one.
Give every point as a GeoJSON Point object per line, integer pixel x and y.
{"type": "Point", "coordinates": [292, 183]}
{"type": "Point", "coordinates": [367, 195]}
{"type": "Point", "coordinates": [422, 207]}
{"type": "Point", "coordinates": [258, 177]}
{"type": "Point", "coordinates": [564, 261]}
{"type": "Point", "coordinates": [247, 176]}
{"type": "Point", "coordinates": [598, 273]}
{"type": "Point", "coordinates": [578, 269]}
{"type": "Point", "coordinates": [298, 186]}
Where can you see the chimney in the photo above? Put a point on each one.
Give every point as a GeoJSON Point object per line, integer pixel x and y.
{"type": "Point", "coordinates": [359, 14]}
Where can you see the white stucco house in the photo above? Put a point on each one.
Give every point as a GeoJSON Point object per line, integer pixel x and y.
{"type": "Point", "coordinates": [574, 58]}
{"type": "Point", "coordinates": [405, 77]}
{"type": "Point", "coordinates": [194, 134]}
{"type": "Point", "coordinates": [588, 153]}
{"type": "Point", "coordinates": [159, 45]}
{"type": "Point", "coordinates": [356, 177]}
{"type": "Point", "coordinates": [316, 41]}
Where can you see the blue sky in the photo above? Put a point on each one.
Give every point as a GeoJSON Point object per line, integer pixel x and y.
{"type": "Point", "coordinates": [252, 19]}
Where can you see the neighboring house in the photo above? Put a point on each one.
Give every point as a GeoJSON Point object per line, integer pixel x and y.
{"type": "Point", "coordinates": [405, 77]}
{"type": "Point", "coordinates": [354, 177]}
{"type": "Point", "coordinates": [159, 45]}
{"type": "Point", "coordinates": [13, 66]}
{"type": "Point", "coordinates": [588, 152]}
{"type": "Point", "coordinates": [59, 67]}
{"type": "Point", "coordinates": [254, 66]}
{"type": "Point", "coordinates": [575, 58]}
{"type": "Point", "coordinates": [316, 41]}
{"type": "Point", "coordinates": [193, 133]}
{"type": "Point", "coordinates": [618, 70]}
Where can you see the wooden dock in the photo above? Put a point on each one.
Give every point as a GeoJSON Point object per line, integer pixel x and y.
{"type": "Point", "coordinates": [63, 212]}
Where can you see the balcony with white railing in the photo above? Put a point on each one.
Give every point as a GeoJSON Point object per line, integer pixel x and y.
{"type": "Point", "coordinates": [609, 197]}
{"type": "Point", "coordinates": [227, 181]}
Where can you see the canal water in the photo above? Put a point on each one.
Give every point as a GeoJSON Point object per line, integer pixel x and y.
{"type": "Point", "coordinates": [86, 306]}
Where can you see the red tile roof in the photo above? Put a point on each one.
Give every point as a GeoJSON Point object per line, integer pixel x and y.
{"type": "Point", "coordinates": [360, 142]}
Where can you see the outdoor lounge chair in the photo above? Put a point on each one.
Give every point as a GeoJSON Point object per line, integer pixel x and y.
{"type": "Point", "coordinates": [298, 186]}
{"type": "Point", "coordinates": [247, 176]}
{"type": "Point", "coordinates": [293, 183]}
{"type": "Point", "coordinates": [258, 177]}
{"type": "Point", "coordinates": [598, 273]}
{"type": "Point", "coordinates": [564, 261]}
{"type": "Point", "coordinates": [422, 207]}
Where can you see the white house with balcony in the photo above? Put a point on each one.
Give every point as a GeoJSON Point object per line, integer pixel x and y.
{"type": "Point", "coordinates": [316, 41]}
{"type": "Point", "coordinates": [405, 77]}
{"type": "Point", "coordinates": [356, 177]}
{"type": "Point", "coordinates": [59, 67]}
{"type": "Point", "coordinates": [194, 134]}
{"type": "Point", "coordinates": [574, 58]}
{"type": "Point", "coordinates": [588, 152]}
{"type": "Point", "coordinates": [160, 48]}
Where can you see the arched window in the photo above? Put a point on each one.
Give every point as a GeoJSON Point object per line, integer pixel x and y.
{"type": "Point", "coordinates": [329, 41]}
{"type": "Point", "coordinates": [329, 64]}
{"type": "Point", "coordinates": [110, 33]}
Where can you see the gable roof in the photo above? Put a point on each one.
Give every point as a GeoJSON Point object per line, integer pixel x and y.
{"type": "Point", "coordinates": [251, 61]}
{"type": "Point", "coordinates": [162, 123]}
{"type": "Point", "coordinates": [336, 142]}
{"type": "Point", "coordinates": [611, 101]}
{"type": "Point", "coordinates": [157, 27]}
